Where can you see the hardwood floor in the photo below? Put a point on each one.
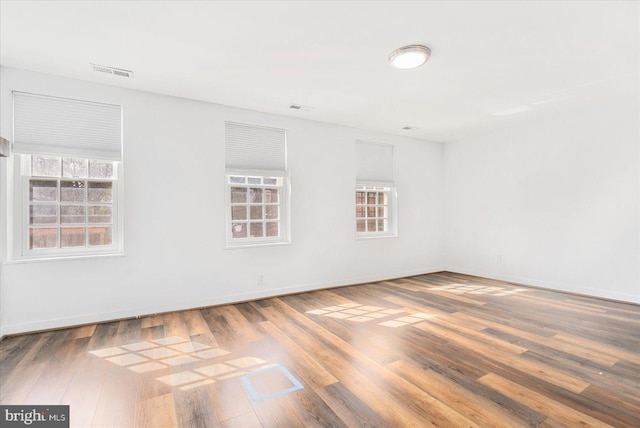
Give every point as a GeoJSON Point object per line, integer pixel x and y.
{"type": "Point", "coordinates": [442, 350]}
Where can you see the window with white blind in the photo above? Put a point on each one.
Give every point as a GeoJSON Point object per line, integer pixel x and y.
{"type": "Point", "coordinates": [68, 164]}
{"type": "Point", "coordinates": [257, 185]}
{"type": "Point", "coordinates": [375, 191]}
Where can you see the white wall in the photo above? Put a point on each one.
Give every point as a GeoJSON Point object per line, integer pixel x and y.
{"type": "Point", "coordinates": [174, 215]}
{"type": "Point", "coordinates": [557, 199]}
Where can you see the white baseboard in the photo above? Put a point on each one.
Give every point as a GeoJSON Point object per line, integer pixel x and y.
{"type": "Point", "coordinates": [198, 303]}
{"type": "Point", "coordinates": [606, 294]}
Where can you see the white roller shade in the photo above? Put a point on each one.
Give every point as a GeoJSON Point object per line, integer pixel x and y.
{"type": "Point", "coordinates": [255, 147]}
{"type": "Point", "coordinates": [47, 125]}
{"type": "Point", "coordinates": [374, 162]}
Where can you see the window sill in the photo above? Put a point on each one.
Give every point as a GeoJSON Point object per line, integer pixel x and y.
{"type": "Point", "coordinates": [256, 244]}
{"type": "Point", "coordinates": [380, 236]}
{"type": "Point", "coordinates": [61, 258]}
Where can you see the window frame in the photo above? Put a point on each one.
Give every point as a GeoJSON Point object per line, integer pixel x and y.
{"type": "Point", "coordinates": [20, 246]}
{"type": "Point", "coordinates": [389, 189]}
{"type": "Point", "coordinates": [284, 198]}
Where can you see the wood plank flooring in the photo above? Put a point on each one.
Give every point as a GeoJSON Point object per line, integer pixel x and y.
{"type": "Point", "coordinates": [443, 349]}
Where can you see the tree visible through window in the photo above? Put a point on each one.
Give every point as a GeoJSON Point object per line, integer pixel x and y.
{"type": "Point", "coordinates": [255, 204]}
{"type": "Point", "coordinates": [257, 185]}
{"type": "Point", "coordinates": [372, 209]}
{"type": "Point", "coordinates": [376, 206]}
{"type": "Point", "coordinates": [71, 203]}
{"type": "Point", "coordinates": [68, 197]}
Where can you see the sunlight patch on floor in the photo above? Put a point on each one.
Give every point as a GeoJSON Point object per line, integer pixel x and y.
{"type": "Point", "coordinates": [174, 352]}
{"type": "Point", "coordinates": [477, 289]}
{"type": "Point", "coordinates": [363, 313]}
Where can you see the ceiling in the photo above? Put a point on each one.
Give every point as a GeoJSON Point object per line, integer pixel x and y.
{"type": "Point", "coordinates": [492, 63]}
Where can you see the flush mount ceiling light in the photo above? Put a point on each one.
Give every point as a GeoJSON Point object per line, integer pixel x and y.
{"type": "Point", "coordinates": [408, 57]}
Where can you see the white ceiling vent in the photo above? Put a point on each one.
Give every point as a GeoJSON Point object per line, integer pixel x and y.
{"type": "Point", "coordinates": [300, 107]}
{"type": "Point", "coordinates": [112, 70]}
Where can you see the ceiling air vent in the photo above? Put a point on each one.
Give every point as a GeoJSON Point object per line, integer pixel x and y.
{"type": "Point", "coordinates": [300, 107]}
{"type": "Point", "coordinates": [112, 70]}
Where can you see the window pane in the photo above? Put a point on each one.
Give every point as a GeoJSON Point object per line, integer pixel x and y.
{"type": "Point", "coordinates": [73, 168]}
{"type": "Point", "coordinates": [237, 180]}
{"type": "Point", "coordinates": [99, 214]}
{"type": "Point", "coordinates": [43, 238]}
{"type": "Point", "coordinates": [271, 195]}
{"type": "Point", "coordinates": [271, 212]}
{"type": "Point", "coordinates": [100, 169]}
{"type": "Point", "coordinates": [360, 211]}
{"type": "Point", "coordinates": [382, 198]}
{"type": "Point", "coordinates": [371, 197]}
{"type": "Point", "coordinates": [238, 195]}
{"type": "Point", "coordinates": [99, 236]}
{"type": "Point", "coordinates": [43, 214]}
{"type": "Point", "coordinates": [361, 226]}
{"type": "Point", "coordinates": [43, 190]}
{"type": "Point", "coordinates": [256, 195]}
{"type": "Point", "coordinates": [371, 211]}
{"type": "Point", "coordinates": [382, 225]}
{"type": "Point", "coordinates": [271, 181]}
{"type": "Point", "coordinates": [239, 230]}
{"type": "Point", "coordinates": [100, 191]}
{"type": "Point", "coordinates": [256, 230]}
{"type": "Point", "coordinates": [360, 197]}
{"type": "Point", "coordinates": [256, 212]}
{"type": "Point", "coordinates": [239, 213]}
{"type": "Point", "coordinates": [72, 214]}
{"type": "Point", "coordinates": [44, 166]}
{"type": "Point", "coordinates": [272, 228]}
{"type": "Point", "coordinates": [371, 225]}
{"type": "Point", "coordinates": [255, 180]}
{"type": "Point", "coordinates": [72, 237]}
{"type": "Point", "coordinates": [381, 212]}
{"type": "Point", "coordinates": [72, 191]}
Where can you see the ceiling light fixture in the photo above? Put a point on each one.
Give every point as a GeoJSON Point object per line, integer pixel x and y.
{"type": "Point", "coordinates": [408, 57]}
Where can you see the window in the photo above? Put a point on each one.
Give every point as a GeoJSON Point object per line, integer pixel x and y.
{"type": "Point", "coordinates": [255, 207]}
{"type": "Point", "coordinates": [257, 197]}
{"type": "Point", "coordinates": [375, 191]}
{"type": "Point", "coordinates": [372, 209]}
{"type": "Point", "coordinates": [70, 205]}
{"type": "Point", "coordinates": [67, 169]}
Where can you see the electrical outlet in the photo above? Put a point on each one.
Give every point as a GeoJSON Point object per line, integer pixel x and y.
{"type": "Point", "coordinates": [260, 279]}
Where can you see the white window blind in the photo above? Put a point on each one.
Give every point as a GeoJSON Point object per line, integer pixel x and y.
{"type": "Point", "coordinates": [249, 147]}
{"type": "Point", "coordinates": [44, 125]}
{"type": "Point", "coordinates": [374, 162]}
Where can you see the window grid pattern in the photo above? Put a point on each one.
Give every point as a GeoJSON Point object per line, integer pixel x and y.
{"type": "Point", "coordinates": [372, 210]}
{"type": "Point", "coordinates": [70, 203]}
{"type": "Point", "coordinates": [256, 210]}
